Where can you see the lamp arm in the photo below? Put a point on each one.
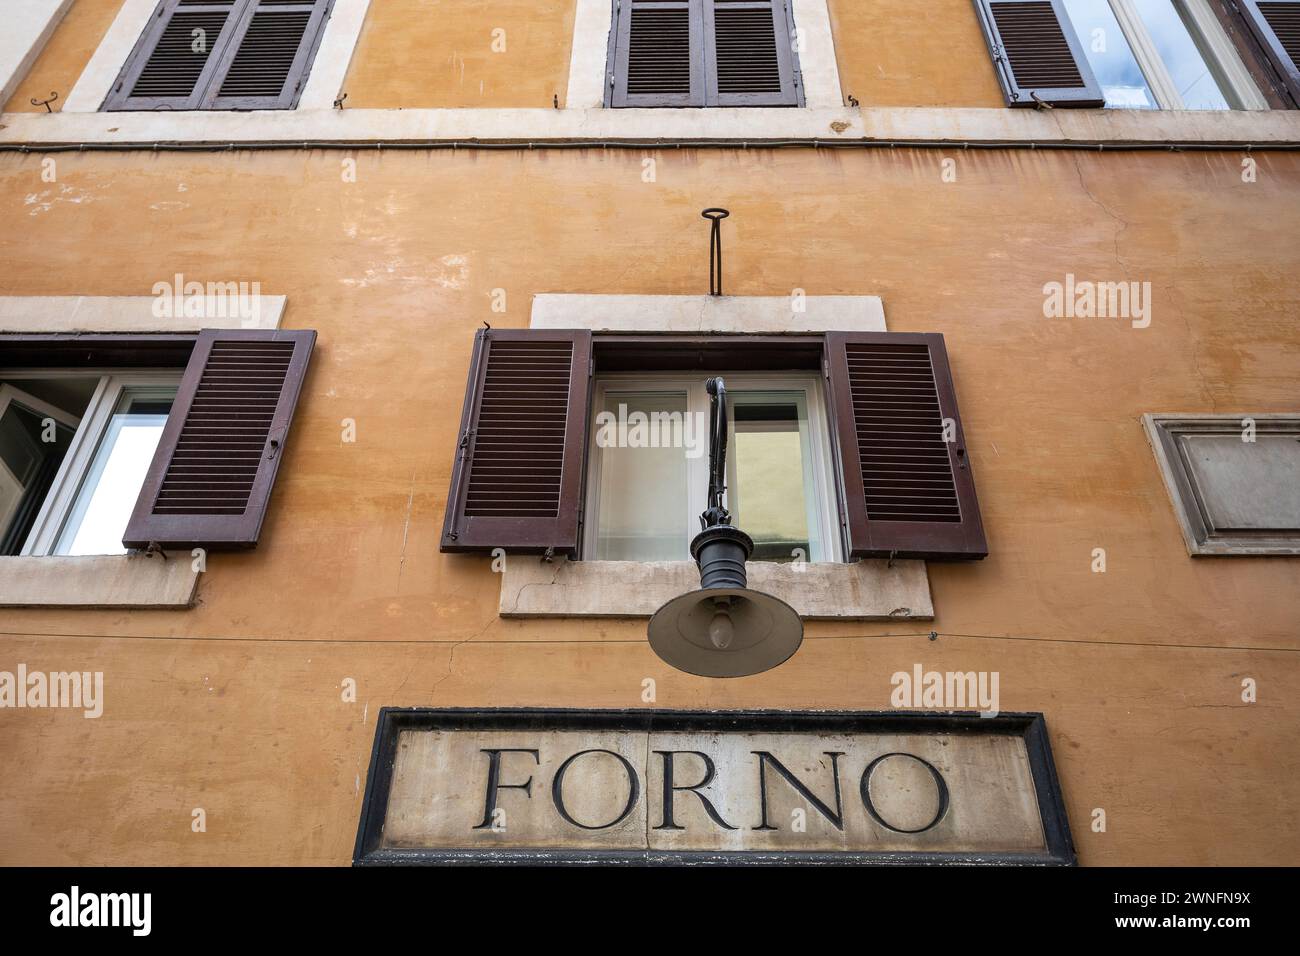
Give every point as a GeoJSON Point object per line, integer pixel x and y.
{"type": "Point", "coordinates": [716, 513]}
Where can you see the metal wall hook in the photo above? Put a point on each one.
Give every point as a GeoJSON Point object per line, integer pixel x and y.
{"type": "Point", "coordinates": [45, 103]}
{"type": "Point", "coordinates": [715, 215]}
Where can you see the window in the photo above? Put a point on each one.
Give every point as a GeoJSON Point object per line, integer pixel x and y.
{"type": "Point", "coordinates": [1234, 480]}
{"type": "Point", "coordinates": [169, 440]}
{"type": "Point", "coordinates": [703, 53]}
{"type": "Point", "coordinates": [73, 470]}
{"type": "Point", "coordinates": [842, 445]}
{"type": "Point", "coordinates": [222, 55]}
{"type": "Point", "coordinates": [648, 467]}
{"type": "Point", "coordinates": [1128, 54]}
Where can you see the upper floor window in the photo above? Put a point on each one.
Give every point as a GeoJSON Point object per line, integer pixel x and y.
{"type": "Point", "coordinates": [222, 55]}
{"type": "Point", "coordinates": [648, 466]}
{"type": "Point", "coordinates": [117, 442]}
{"type": "Point", "coordinates": [843, 445]}
{"type": "Point", "coordinates": [106, 427]}
{"type": "Point", "coordinates": [703, 53]}
{"type": "Point", "coordinates": [1128, 54]}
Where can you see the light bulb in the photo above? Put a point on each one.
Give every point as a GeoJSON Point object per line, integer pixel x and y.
{"type": "Point", "coordinates": [721, 630]}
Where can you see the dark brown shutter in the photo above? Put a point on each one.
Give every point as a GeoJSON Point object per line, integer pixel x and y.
{"type": "Point", "coordinates": [517, 478]}
{"type": "Point", "coordinates": [165, 70]}
{"type": "Point", "coordinates": [749, 53]}
{"type": "Point", "coordinates": [907, 491]}
{"type": "Point", "coordinates": [266, 63]}
{"type": "Point", "coordinates": [1276, 25]}
{"type": "Point", "coordinates": [211, 477]}
{"type": "Point", "coordinates": [1037, 54]}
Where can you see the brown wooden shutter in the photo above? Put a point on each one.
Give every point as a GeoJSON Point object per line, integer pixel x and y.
{"type": "Point", "coordinates": [517, 478]}
{"type": "Point", "coordinates": [749, 53]}
{"type": "Point", "coordinates": [1037, 54]}
{"type": "Point", "coordinates": [173, 64]}
{"type": "Point", "coordinates": [907, 491]}
{"type": "Point", "coordinates": [212, 475]}
{"type": "Point", "coordinates": [1276, 25]}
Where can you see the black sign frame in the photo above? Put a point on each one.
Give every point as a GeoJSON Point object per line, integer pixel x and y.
{"type": "Point", "coordinates": [1032, 727]}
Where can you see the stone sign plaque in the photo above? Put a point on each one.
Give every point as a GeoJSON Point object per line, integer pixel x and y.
{"type": "Point", "coordinates": [537, 786]}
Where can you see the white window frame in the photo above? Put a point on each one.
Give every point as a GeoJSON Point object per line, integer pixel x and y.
{"type": "Point", "coordinates": [1225, 65]}
{"type": "Point", "coordinates": [44, 536]}
{"type": "Point", "coordinates": [821, 454]}
{"type": "Point", "coordinates": [329, 67]}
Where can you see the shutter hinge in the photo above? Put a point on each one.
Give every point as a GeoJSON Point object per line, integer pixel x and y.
{"type": "Point", "coordinates": [548, 555]}
{"type": "Point", "coordinates": [275, 449]}
{"type": "Point", "coordinates": [591, 367]}
{"type": "Point", "coordinates": [890, 562]}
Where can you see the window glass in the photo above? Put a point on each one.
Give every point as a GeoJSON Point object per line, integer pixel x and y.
{"type": "Point", "coordinates": [1181, 50]}
{"type": "Point", "coordinates": [770, 486]}
{"type": "Point", "coordinates": [644, 505]}
{"type": "Point", "coordinates": [32, 447]}
{"type": "Point", "coordinates": [111, 485]}
{"type": "Point", "coordinates": [1109, 55]}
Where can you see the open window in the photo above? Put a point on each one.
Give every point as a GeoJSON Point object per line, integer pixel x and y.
{"type": "Point", "coordinates": [648, 466]}
{"type": "Point", "coordinates": [1130, 54]}
{"type": "Point", "coordinates": [110, 443]}
{"type": "Point", "coordinates": [843, 445]}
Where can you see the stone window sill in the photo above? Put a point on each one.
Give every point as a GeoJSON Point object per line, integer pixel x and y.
{"type": "Point", "coordinates": [99, 581]}
{"type": "Point", "coordinates": [862, 591]}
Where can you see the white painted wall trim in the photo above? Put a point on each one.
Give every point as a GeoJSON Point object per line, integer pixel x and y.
{"type": "Point", "coordinates": [593, 19]}
{"type": "Point", "coordinates": [334, 56]}
{"type": "Point", "coordinates": [109, 581]}
{"type": "Point", "coordinates": [324, 82]}
{"type": "Point", "coordinates": [703, 313]}
{"type": "Point", "coordinates": [130, 313]}
{"type": "Point", "coordinates": [750, 127]}
{"type": "Point", "coordinates": [862, 591]}
{"type": "Point", "coordinates": [27, 27]}
{"type": "Point", "coordinates": [105, 64]}
{"type": "Point", "coordinates": [817, 62]}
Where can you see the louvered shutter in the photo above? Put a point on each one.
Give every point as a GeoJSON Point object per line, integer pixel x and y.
{"type": "Point", "coordinates": [266, 63]}
{"type": "Point", "coordinates": [1037, 54]}
{"type": "Point", "coordinates": [907, 491]}
{"type": "Point", "coordinates": [176, 57]}
{"type": "Point", "coordinates": [211, 477]}
{"type": "Point", "coordinates": [703, 53]}
{"type": "Point", "coordinates": [1276, 24]}
{"type": "Point", "coordinates": [222, 54]}
{"type": "Point", "coordinates": [658, 56]}
{"type": "Point", "coordinates": [749, 53]}
{"type": "Point", "coordinates": [517, 478]}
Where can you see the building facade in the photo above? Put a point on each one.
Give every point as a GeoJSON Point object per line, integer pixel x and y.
{"type": "Point", "coordinates": [1008, 319]}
